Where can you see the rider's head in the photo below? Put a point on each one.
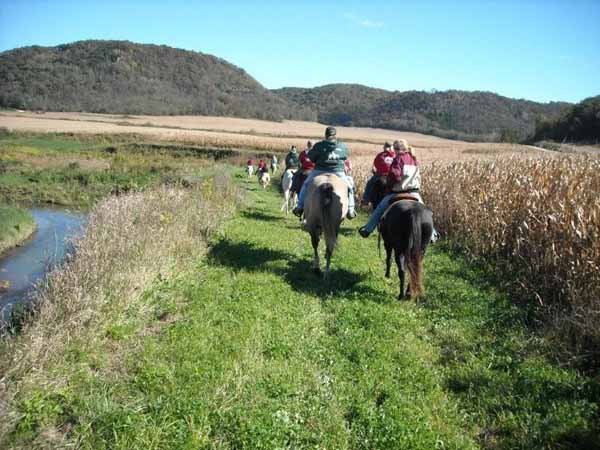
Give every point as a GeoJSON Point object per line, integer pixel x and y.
{"type": "Point", "coordinates": [330, 133]}
{"type": "Point", "coordinates": [401, 145]}
{"type": "Point", "coordinates": [387, 146]}
{"type": "Point", "coordinates": [309, 145]}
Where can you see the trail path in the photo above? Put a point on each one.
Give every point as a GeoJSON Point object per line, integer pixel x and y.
{"type": "Point", "coordinates": [267, 355]}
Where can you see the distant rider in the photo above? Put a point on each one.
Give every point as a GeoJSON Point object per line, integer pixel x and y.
{"type": "Point", "coordinates": [404, 177]}
{"type": "Point", "coordinates": [274, 163]}
{"type": "Point", "coordinates": [306, 166]}
{"type": "Point", "coordinates": [262, 165]}
{"type": "Point", "coordinates": [381, 168]}
{"type": "Point", "coordinates": [329, 156]}
{"type": "Point", "coordinates": [291, 159]}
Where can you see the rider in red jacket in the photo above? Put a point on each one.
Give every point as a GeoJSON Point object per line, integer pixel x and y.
{"type": "Point", "coordinates": [381, 167]}
{"type": "Point", "coordinates": [305, 162]}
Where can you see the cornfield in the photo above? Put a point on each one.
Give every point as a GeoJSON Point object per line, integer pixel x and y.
{"type": "Point", "coordinates": [538, 221]}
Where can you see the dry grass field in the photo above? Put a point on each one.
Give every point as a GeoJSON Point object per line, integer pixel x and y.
{"type": "Point", "coordinates": [255, 134]}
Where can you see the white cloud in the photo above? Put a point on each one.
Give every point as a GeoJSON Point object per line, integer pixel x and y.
{"type": "Point", "coordinates": [366, 23]}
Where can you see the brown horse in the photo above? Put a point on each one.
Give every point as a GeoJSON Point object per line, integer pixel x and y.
{"type": "Point", "coordinates": [406, 230]}
{"type": "Point", "coordinates": [325, 207]}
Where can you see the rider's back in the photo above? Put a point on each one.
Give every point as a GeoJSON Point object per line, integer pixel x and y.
{"type": "Point", "coordinates": [329, 156]}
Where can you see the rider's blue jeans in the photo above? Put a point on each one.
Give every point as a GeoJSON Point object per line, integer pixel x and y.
{"type": "Point", "coordinates": [383, 204]}
{"type": "Point", "coordinates": [348, 179]}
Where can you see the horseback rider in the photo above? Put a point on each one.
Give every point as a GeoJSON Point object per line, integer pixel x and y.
{"type": "Point", "coordinates": [329, 156]}
{"type": "Point", "coordinates": [274, 163]}
{"type": "Point", "coordinates": [291, 159]}
{"type": "Point", "coordinates": [381, 168]}
{"type": "Point", "coordinates": [404, 177]}
{"type": "Point", "coordinates": [306, 166]}
{"type": "Point", "coordinates": [262, 166]}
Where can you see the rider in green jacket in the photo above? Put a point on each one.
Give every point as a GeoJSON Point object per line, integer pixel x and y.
{"type": "Point", "coordinates": [329, 156]}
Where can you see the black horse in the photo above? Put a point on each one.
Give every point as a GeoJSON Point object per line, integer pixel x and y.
{"type": "Point", "coordinates": [406, 229]}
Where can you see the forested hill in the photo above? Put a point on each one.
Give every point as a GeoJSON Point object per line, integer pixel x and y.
{"type": "Point", "coordinates": [453, 114]}
{"type": "Point", "coordinates": [579, 123]}
{"type": "Point", "coordinates": [129, 78]}
{"type": "Point", "coordinates": [123, 77]}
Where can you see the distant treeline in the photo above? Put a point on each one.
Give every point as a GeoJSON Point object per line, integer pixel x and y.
{"type": "Point", "coordinates": [121, 77]}
{"type": "Point", "coordinates": [579, 123]}
{"type": "Point", "coordinates": [451, 114]}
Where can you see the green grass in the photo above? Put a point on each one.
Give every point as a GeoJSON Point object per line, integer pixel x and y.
{"type": "Point", "coordinates": [249, 349]}
{"type": "Point", "coordinates": [16, 224]}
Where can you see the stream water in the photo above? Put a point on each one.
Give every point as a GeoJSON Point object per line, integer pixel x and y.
{"type": "Point", "coordinates": [23, 266]}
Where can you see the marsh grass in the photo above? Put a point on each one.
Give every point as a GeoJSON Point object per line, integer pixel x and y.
{"type": "Point", "coordinates": [79, 170]}
{"type": "Point", "coordinates": [16, 224]}
{"type": "Point", "coordinates": [97, 297]}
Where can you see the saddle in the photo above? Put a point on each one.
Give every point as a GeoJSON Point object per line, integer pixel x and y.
{"type": "Point", "coordinates": [401, 196]}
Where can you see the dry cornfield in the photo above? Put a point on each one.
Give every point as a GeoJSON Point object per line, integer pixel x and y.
{"type": "Point", "coordinates": [260, 135]}
{"type": "Point", "coordinates": [538, 220]}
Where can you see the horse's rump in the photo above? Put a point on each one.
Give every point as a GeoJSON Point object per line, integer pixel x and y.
{"type": "Point", "coordinates": [325, 207]}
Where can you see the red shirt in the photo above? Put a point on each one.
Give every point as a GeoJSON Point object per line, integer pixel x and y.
{"type": "Point", "coordinates": [261, 164]}
{"type": "Point", "coordinates": [250, 162]}
{"type": "Point", "coordinates": [306, 163]}
{"type": "Point", "coordinates": [383, 161]}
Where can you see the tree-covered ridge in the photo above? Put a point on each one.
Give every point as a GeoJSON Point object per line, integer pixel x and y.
{"type": "Point", "coordinates": [580, 123]}
{"type": "Point", "coordinates": [453, 114]}
{"type": "Point", "coordinates": [124, 77]}
{"type": "Point", "coordinates": [121, 77]}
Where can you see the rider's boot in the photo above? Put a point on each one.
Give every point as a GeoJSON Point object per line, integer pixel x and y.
{"type": "Point", "coordinates": [297, 211]}
{"type": "Point", "coordinates": [363, 232]}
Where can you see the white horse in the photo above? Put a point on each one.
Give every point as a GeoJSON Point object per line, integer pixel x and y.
{"type": "Point", "coordinates": [264, 179]}
{"type": "Point", "coordinates": [250, 170]}
{"type": "Point", "coordinates": [286, 186]}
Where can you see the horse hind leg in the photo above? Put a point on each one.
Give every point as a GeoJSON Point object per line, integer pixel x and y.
{"type": "Point", "coordinates": [401, 275]}
{"type": "Point", "coordinates": [388, 258]}
{"type": "Point", "coordinates": [328, 253]}
{"type": "Point", "coordinates": [316, 263]}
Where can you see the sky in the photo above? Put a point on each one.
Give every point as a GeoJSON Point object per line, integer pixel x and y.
{"type": "Point", "coordinates": [542, 50]}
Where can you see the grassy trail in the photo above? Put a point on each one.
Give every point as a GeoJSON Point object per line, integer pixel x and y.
{"type": "Point", "coordinates": [254, 351]}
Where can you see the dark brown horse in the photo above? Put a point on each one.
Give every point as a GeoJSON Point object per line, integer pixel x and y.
{"type": "Point", "coordinates": [298, 181]}
{"type": "Point", "coordinates": [406, 230]}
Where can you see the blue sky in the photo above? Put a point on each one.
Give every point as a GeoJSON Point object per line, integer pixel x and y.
{"type": "Point", "coordinates": [539, 50]}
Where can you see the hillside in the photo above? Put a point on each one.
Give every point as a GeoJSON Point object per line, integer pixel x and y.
{"type": "Point", "coordinates": [579, 123]}
{"type": "Point", "coordinates": [123, 77]}
{"type": "Point", "coordinates": [453, 114]}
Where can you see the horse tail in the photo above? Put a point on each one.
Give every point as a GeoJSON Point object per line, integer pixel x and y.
{"type": "Point", "coordinates": [414, 254]}
{"type": "Point", "coordinates": [329, 223]}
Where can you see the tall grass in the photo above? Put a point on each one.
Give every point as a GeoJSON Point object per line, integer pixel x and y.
{"type": "Point", "coordinates": [130, 240]}
{"type": "Point", "coordinates": [538, 220]}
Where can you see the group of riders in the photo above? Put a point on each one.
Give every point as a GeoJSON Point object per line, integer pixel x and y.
{"type": "Point", "coordinates": [395, 171]}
